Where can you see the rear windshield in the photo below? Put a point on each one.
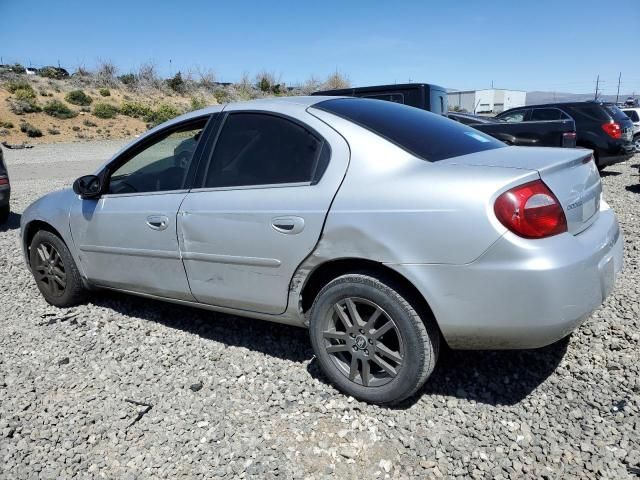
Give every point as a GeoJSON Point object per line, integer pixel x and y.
{"type": "Point", "coordinates": [424, 134]}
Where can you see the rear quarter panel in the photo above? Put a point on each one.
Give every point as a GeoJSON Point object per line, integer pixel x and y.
{"type": "Point", "coordinates": [395, 208]}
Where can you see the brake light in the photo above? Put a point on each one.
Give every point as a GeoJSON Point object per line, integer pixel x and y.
{"type": "Point", "coordinates": [613, 129]}
{"type": "Point", "coordinates": [531, 211]}
{"type": "Point", "coordinates": [569, 139]}
{"type": "Point", "coordinates": [4, 181]}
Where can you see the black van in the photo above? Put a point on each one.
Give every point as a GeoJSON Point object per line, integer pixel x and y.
{"type": "Point", "coordinates": [421, 95]}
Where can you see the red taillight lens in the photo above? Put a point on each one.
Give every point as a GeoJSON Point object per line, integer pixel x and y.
{"type": "Point", "coordinates": [613, 129]}
{"type": "Point", "coordinates": [531, 211]}
{"type": "Point", "coordinates": [4, 180]}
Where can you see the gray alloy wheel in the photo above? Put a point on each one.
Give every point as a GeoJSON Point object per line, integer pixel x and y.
{"type": "Point", "coordinates": [363, 342]}
{"type": "Point", "coordinates": [636, 142]}
{"type": "Point", "coordinates": [49, 270]}
{"type": "Point", "coordinates": [54, 270]}
{"type": "Point", "coordinates": [371, 339]}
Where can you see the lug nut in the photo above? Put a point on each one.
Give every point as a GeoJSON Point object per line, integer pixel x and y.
{"type": "Point", "coordinates": [352, 335]}
{"type": "Point", "coordinates": [366, 352]}
{"type": "Point", "coordinates": [371, 341]}
{"type": "Point", "coordinates": [361, 331]}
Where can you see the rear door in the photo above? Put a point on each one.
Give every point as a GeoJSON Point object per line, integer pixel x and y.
{"type": "Point", "coordinates": [260, 207]}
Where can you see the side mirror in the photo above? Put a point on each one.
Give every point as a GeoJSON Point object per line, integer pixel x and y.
{"type": "Point", "coordinates": [88, 186]}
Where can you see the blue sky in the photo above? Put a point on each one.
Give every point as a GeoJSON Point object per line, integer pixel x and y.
{"type": "Point", "coordinates": [557, 45]}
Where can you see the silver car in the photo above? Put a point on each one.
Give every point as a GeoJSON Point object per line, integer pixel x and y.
{"type": "Point", "coordinates": [384, 229]}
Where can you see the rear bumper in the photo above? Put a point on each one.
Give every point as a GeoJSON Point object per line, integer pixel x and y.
{"type": "Point", "coordinates": [523, 293]}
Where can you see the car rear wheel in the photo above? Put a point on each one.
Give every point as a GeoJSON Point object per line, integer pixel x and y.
{"type": "Point", "coordinates": [636, 142]}
{"type": "Point", "coordinates": [370, 340]}
{"type": "Point", "coordinates": [54, 270]}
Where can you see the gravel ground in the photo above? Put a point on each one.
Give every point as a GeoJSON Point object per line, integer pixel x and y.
{"type": "Point", "coordinates": [221, 396]}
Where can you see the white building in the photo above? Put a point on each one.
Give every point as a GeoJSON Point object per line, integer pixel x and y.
{"type": "Point", "coordinates": [486, 101]}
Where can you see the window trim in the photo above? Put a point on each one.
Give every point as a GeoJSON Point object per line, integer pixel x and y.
{"type": "Point", "coordinates": [140, 146]}
{"type": "Point", "coordinates": [206, 159]}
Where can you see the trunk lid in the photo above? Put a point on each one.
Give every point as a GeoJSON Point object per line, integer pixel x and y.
{"type": "Point", "coordinates": [570, 173]}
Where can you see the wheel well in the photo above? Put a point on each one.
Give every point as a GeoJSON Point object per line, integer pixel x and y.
{"type": "Point", "coordinates": [327, 271]}
{"type": "Point", "coordinates": [34, 227]}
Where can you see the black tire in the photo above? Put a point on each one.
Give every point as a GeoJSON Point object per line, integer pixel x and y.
{"type": "Point", "coordinates": [4, 213]}
{"type": "Point", "coordinates": [66, 294]}
{"type": "Point", "coordinates": [413, 338]}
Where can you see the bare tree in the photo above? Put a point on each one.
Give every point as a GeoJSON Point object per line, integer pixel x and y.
{"type": "Point", "coordinates": [336, 80]}
{"type": "Point", "coordinates": [312, 84]}
{"type": "Point", "coordinates": [106, 72]}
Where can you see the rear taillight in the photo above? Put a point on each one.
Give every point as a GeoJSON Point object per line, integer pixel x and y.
{"type": "Point", "coordinates": [531, 211]}
{"type": "Point", "coordinates": [569, 139]}
{"type": "Point", "coordinates": [4, 180]}
{"type": "Point", "coordinates": [612, 129]}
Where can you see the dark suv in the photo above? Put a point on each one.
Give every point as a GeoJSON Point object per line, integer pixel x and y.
{"type": "Point", "coordinates": [601, 127]}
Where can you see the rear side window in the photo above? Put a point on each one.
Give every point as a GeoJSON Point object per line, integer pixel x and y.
{"type": "Point", "coordinates": [424, 134]}
{"type": "Point", "coordinates": [589, 112]}
{"type": "Point", "coordinates": [262, 149]}
{"type": "Point", "coordinates": [540, 114]}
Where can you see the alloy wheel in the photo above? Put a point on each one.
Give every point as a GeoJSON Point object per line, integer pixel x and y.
{"type": "Point", "coordinates": [49, 269]}
{"type": "Point", "coordinates": [363, 342]}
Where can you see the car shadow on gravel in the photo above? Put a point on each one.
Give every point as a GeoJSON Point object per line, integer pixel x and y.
{"type": "Point", "coordinates": [633, 188]}
{"type": "Point", "coordinates": [272, 339]}
{"type": "Point", "coordinates": [12, 222]}
{"type": "Point", "coordinates": [607, 173]}
{"type": "Point", "coordinates": [503, 377]}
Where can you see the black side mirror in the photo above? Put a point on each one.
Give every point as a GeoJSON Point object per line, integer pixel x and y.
{"type": "Point", "coordinates": [88, 186]}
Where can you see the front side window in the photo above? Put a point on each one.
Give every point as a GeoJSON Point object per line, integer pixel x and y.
{"type": "Point", "coordinates": [161, 166]}
{"type": "Point", "coordinates": [513, 117]}
{"type": "Point", "coordinates": [263, 149]}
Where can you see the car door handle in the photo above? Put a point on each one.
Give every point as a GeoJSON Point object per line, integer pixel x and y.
{"type": "Point", "coordinates": [290, 225]}
{"type": "Point", "coordinates": [157, 222]}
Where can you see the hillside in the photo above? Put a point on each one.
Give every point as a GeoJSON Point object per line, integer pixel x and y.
{"type": "Point", "coordinates": [100, 105]}
{"type": "Point", "coordinates": [537, 97]}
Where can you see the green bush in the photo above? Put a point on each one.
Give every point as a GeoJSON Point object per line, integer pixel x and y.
{"type": "Point", "coordinates": [105, 92]}
{"type": "Point", "coordinates": [198, 103]}
{"type": "Point", "coordinates": [78, 97]}
{"type": "Point", "coordinates": [57, 109]}
{"type": "Point", "coordinates": [176, 83]}
{"type": "Point", "coordinates": [135, 110]}
{"type": "Point", "coordinates": [25, 94]}
{"type": "Point", "coordinates": [163, 113]}
{"type": "Point", "coordinates": [6, 124]}
{"type": "Point", "coordinates": [105, 110]}
{"type": "Point", "coordinates": [30, 130]}
{"type": "Point", "coordinates": [14, 85]}
{"type": "Point", "coordinates": [127, 78]}
{"type": "Point", "coordinates": [18, 68]}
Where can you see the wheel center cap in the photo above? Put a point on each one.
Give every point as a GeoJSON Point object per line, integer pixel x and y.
{"type": "Point", "coordinates": [361, 342]}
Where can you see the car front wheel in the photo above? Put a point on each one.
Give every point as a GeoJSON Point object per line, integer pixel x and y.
{"type": "Point", "coordinates": [54, 270]}
{"type": "Point", "coordinates": [370, 340]}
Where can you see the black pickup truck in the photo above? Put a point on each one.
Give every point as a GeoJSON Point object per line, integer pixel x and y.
{"type": "Point", "coordinates": [555, 133]}
{"type": "Point", "coordinates": [543, 133]}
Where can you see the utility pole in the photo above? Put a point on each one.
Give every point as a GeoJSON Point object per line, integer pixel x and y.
{"type": "Point", "coordinates": [597, 85]}
{"type": "Point", "coordinates": [618, 94]}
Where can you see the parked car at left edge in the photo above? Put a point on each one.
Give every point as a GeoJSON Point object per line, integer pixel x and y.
{"type": "Point", "coordinates": [5, 190]}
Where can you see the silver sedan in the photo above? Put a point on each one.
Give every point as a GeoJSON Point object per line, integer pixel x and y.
{"type": "Point", "coordinates": [384, 229]}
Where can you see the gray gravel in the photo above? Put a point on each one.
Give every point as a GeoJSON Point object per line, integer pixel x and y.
{"type": "Point", "coordinates": [124, 387]}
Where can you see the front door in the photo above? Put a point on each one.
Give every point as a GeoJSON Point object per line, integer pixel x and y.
{"type": "Point", "coordinates": [128, 237]}
{"type": "Point", "coordinates": [260, 209]}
